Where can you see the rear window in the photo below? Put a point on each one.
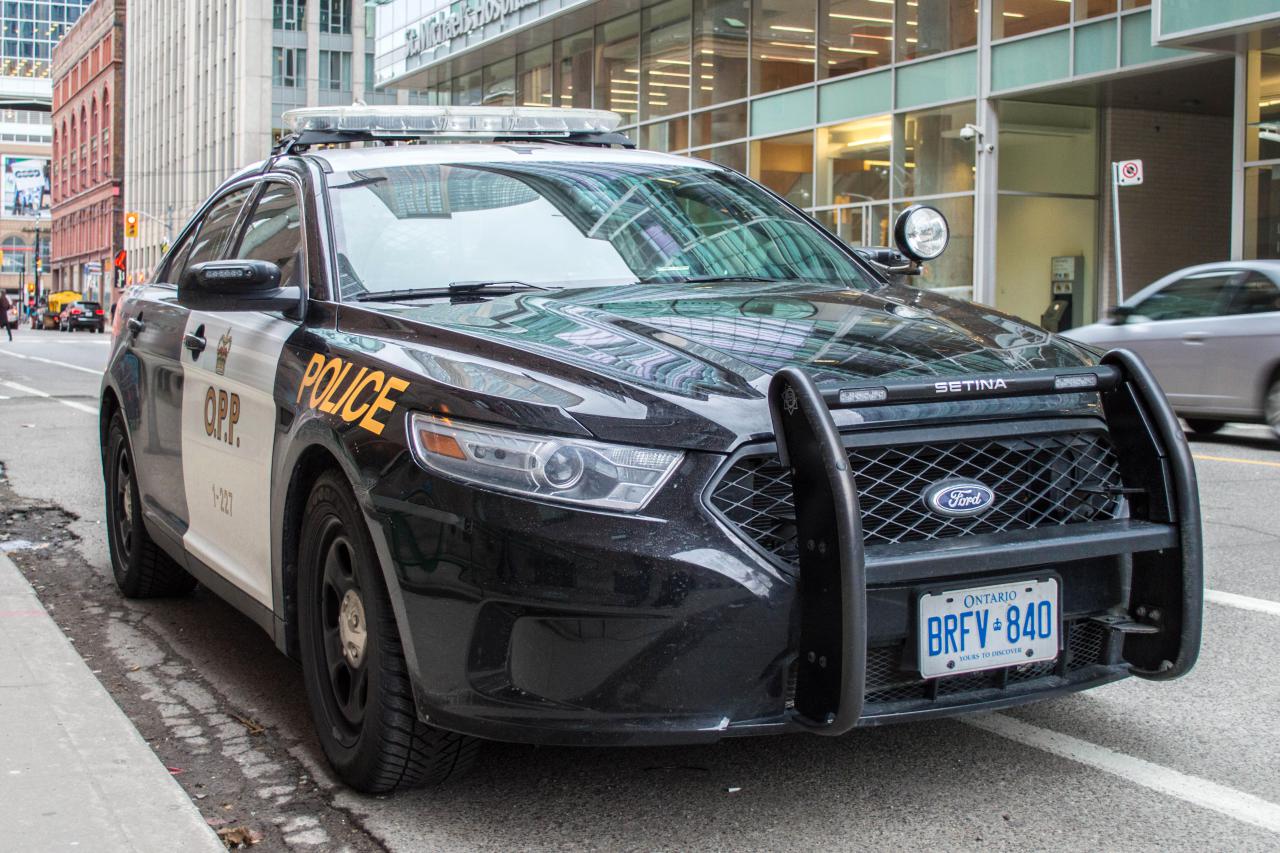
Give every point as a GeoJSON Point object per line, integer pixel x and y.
{"type": "Point", "coordinates": [90, 306]}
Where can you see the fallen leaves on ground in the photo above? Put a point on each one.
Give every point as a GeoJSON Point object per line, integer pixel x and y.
{"type": "Point", "coordinates": [238, 837]}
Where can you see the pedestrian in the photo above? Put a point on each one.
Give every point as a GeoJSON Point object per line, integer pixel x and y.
{"type": "Point", "coordinates": [5, 307]}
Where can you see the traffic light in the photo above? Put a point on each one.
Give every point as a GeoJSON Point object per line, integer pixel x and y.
{"type": "Point", "coordinates": [31, 288]}
{"type": "Point", "coordinates": [131, 221]}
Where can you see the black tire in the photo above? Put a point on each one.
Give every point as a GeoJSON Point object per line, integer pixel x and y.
{"type": "Point", "coordinates": [141, 568]}
{"type": "Point", "coordinates": [1271, 407]}
{"type": "Point", "coordinates": [1200, 426]}
{"type": "Point", "coordinates": [358, 685]}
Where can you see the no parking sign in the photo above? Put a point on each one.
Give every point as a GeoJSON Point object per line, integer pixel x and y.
{"type": "Point", "coordinates": [1128, 173]}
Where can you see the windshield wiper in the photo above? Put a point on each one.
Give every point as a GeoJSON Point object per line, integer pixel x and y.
{"type": "Point", "coordinates": [706, 279]}
{"type": "Point", "coordinates": [457, 288]}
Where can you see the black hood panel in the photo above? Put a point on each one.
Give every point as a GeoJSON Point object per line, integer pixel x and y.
{"type": "Point", "coordinates": [692, 353]}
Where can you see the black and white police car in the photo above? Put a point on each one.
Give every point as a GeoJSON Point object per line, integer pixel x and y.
{"type": "Point", "coordinates": [528, 437]}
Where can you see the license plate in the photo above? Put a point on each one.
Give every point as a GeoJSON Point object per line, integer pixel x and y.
{"type": "Point", "coordinates": [988, 627]}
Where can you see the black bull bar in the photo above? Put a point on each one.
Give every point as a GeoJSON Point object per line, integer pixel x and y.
{"type": "Point", "coordinates": [1155, 465]}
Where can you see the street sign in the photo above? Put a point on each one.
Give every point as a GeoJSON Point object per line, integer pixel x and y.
{"type": "Point", "coordinates": [1128, 173]}
{"type": "Point", "coordinates": [92, 267]}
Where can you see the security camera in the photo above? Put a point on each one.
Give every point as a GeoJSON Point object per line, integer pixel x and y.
{"type": "Point", "coordinates": [969, 133]}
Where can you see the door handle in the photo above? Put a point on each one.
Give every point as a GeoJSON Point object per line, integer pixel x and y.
{"type": "Point", "coordinates": [195, 342]}
{"type": "Point", "coordinates": [1194, 337]}
{"type": "Point", "coordinates": [136, 326]}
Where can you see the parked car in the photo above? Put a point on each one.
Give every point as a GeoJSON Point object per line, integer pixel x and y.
{"type": "Point", "coordinates": [81, 315]}
{"type": "Point", "coordinates": [1211, 336]}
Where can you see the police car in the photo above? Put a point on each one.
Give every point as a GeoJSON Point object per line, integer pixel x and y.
{"type": "Point", "coordinates": [525, 436]}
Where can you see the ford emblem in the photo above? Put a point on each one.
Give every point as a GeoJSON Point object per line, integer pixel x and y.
{"type": "Point", "coordinates": [959, 499]}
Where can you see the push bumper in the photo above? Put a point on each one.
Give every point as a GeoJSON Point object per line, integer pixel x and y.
{"type": "Point", "coordinates": [838, 666]}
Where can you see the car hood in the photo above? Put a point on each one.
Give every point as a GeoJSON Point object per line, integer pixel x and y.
{"type": "Point", "coordinates": [710, 350]}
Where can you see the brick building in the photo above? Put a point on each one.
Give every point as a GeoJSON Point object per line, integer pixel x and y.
{"type": "Point", "coordinates": [88, 152]}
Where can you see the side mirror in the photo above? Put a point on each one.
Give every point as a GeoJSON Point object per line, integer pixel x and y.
{"type": "Point", "coordinates": [1120, 314]}
{"type": "Point", "coordinates": [239, 286]}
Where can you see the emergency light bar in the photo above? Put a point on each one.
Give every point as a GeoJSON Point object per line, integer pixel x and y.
{"type": "Point", "coordinates": [400, 121]}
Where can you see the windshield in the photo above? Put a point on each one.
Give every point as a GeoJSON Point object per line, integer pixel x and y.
{"type": "Point", "coordinates": [558, 224]}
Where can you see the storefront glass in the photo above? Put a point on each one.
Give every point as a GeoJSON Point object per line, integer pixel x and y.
{"type": "Point", "coordinates": [1262, 212]}
{"type": "Point", "coordinates": [664, 59]}
{"type": "Point", "coordinates": [784, 164]}
{"type": "Point", "coordinates": [855, 35]}
{"type": "Point", "coordinates": [617, 82]}
{"type": "Point", "coordinates": [573, 57]}
{"type": "Point", "coordinates": [731, 156]}
{"type": "Point", "coordinates": [535, 77]}
{"type": "Point", "coordinates": [720, 51]}
{"type": "Point", "coordinates": [1019, 17]}
{"type": "Point", "coordinates": [930, 156]}
{"type": "Point", "coordinates": [782, 44]}
{"type": "Point", "coordinates": [952, 273]}
{"type": "Point", "coordinates": [935, 27]}
{"type": "Point", "coordinates": [665, 135]}
{"type": "Point", "coordinates": [854, 161]}
{"type": "Point", "coordinates": [500, 84]}
{"type": "Point", "coordinates": [711, 126]}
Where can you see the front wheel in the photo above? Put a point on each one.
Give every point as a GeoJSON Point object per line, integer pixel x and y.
{"type": "Point", "coordinates": [1272, 407]}
{"type": "Point", "coordinates": [353, 664]}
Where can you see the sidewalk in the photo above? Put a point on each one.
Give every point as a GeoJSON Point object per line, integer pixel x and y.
{"type": "Point", "coordinates": [74, 772]}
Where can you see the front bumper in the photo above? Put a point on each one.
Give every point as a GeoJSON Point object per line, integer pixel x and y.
{"type": "Point", "coordinates": [530, 623]}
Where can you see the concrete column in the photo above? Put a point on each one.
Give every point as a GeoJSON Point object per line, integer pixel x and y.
{"type": "Point", "coordinates": [313, 51]}
{"type": "Point", "coordinates": [986, 176]}
{"type": "Point", "coordinates": [358, 83]}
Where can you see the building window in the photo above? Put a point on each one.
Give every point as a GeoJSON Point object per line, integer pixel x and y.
{"type": "Point", "coordinates": [618, 67]}
{"type": "Point", "coordinates": [535, 77]}
{"type": "Point", "coordinates": [931, 156]}
{"type": "Point", "coordinates": [720, 50]}
{"type": "Point", "coordinates": [28, 32]}
{"type": "Point", "coordinates": [288, 14]}
{"type": "Point", "coordinates": [335, 70]}
{"type": "Point", "coordinates": [15, 255]}
{"type": "Point", "coordinates": [664, 60]}
{"type": "Point", "coordinates": [928, 28]}
{"type": "Point", "coordinates": [856, 35]}
{"type": "Point", "coordinates": [573, 70]}
{"type": "Point", "coordinates": [499, 83]}
{"type": "Point", "coordinates": [854, 161]}
{"type": "Point", "coordinates": [1018, 17]}
{"type": "Point", "coordinates": [289, 68]}
{"type": "Point", "coordinates": [782, 44]}
{"type": "Point", "coordinates": [335, 16]}
{"type": "Point", "coordinates": [784, 164]}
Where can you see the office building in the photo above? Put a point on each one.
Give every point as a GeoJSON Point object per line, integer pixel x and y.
{"type": "Point", "coordinates": [1004, 114]}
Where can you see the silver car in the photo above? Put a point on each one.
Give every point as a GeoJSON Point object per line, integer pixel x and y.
{"type": "Point", "coordinates": [1211, 335]}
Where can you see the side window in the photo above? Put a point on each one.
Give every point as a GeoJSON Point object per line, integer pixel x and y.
{"type": "Point", "coordinates": [274, 233]}
{"type": "Point", "coordinates": [1256, 295]}
{"type": "Point", "coordinates": [1190, 298]}
{"type": "Point", "coordinates": [212, 233]}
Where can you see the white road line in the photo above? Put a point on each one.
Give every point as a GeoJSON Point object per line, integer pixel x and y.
{"type": "Point", "coordinates": [78, 367]}
{"type": "Point", "coordinates": [34, 392]}
{"type": "Point", "coordinates": [1230, 802]}
{"type": "Point", "coordinates": [1244, 602]}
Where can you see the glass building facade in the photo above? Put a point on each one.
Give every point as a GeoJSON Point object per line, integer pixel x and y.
{"type": "Point", "coordinates": [28, 32]}
{"type": "Point", "coordinates": [854, 109]}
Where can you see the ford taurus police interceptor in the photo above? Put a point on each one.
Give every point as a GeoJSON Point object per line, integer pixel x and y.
{"type": "Point", "coordinates": [532, 438]}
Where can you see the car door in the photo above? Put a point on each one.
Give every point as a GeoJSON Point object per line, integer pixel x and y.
{"type": "Point", "coordinates": [228, 408]}
{"type": "Point", "coordinates": [1169, 327]}
{"type": "Point", "coordinates": [1242, 348]}
{"type": "Point", "coordinates": [154, 328]}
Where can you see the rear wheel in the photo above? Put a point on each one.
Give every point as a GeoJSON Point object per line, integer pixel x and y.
{"type": "Point", "coordinates": [141, 568]}
{"type": "Point", "coordinates": [352, 660]}
{"type": "Point", "coordinates": [1272, 407]}
{"type": "Point", "coordinates": [1200, 426]}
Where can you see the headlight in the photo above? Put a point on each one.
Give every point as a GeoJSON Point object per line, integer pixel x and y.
{"type": "Point", "coordinates": [567, 470]}
{"type": "Point", "coordinates": [921, 232]}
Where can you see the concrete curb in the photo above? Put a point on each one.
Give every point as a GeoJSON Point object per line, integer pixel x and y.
{"type": "Point", "coordinates": [74, 772]}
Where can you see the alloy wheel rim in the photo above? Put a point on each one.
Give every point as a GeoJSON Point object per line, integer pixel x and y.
{"type": "Point", "coordinates": [344, 635]}
{"type": "Point", "coordinates": [124, 504]}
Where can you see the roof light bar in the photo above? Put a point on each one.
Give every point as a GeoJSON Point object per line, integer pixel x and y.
{"type": "Point", "coordinates": [451, 121]}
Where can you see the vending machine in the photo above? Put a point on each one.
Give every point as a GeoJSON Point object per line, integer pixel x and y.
{"type": "Point", "coordinates": [1066, 293]}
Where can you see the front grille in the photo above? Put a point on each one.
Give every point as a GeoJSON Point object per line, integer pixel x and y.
{"type": "Point", "coordinates": [1038, 480]}
{"type": "Point", "coordinates": [890, 678]}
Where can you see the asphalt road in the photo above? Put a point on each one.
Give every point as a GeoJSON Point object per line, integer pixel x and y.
{"type": "Point", "coordinates": [1187, 765]}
